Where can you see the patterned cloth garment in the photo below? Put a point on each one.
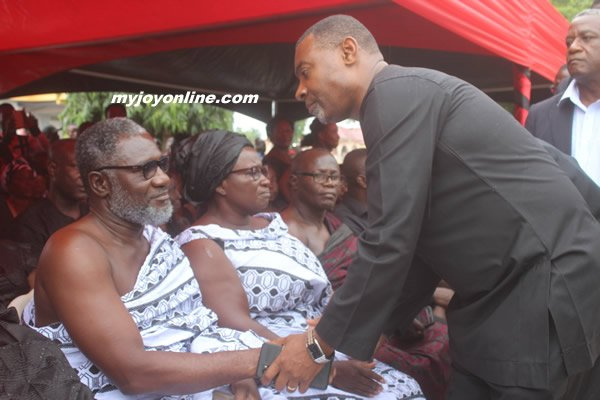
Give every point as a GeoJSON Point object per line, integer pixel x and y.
{"type": "Point", "coordinates": [166, 305]}
{"type": "Point", "coordinates": [285, 285]}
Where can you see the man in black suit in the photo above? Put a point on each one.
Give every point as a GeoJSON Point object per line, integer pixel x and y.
{"type": "Point", "coordinates": [570, 119]}
{"type": "Point", "coordinates": [456, 190]}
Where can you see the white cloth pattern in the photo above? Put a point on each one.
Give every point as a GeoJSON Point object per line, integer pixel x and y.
{"type": "Point", "coordinates": [166, 305]}
{"type": "Point", "coordinates": [285, 285]}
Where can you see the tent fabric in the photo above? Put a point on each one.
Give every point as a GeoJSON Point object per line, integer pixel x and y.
{"type": "Point", "coordinates": [247, 47]}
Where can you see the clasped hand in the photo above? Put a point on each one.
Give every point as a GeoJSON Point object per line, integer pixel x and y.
{"type": "Point", "coordinates": [293, 368]}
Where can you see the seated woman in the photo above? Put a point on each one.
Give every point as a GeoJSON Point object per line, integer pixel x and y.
{"type": "Point", "coordinates": [255, 275]}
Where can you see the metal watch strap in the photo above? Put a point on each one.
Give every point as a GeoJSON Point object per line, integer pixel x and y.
{"type": "Point", "coordinates": [315, 350]}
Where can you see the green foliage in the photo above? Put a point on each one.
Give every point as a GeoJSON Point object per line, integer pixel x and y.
{"type": "Point", "coordinates": [251, 134]}
{"type": "Point", "coordinates": [569, 8]}
{"type": "Point", "coordinates": [298, 131]}
{"type": "Point", "coordinates": [162, 121]}
{"type": "Point", "coordinates": [82, 107]}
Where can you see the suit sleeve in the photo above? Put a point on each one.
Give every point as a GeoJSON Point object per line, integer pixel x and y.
{"type": "Point", "coordinates": [584, 184]}
{"type": "Point", "coordinates": [401, 119]}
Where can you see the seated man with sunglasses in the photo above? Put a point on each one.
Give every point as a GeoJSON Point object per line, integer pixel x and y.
{"type": "Point", "coordinates": [118, 294]}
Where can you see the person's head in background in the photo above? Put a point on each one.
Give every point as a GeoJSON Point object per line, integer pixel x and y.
{"type": "Point", "coordinates": [595, 4]}
{"type": "Point", "coordinates": [277, 202]}
{"type": "Point", "coordinates": [314, 181]}
{"type": "Point", "coordinates": [280, 132]}
{"type": "Point", "coordinates": [65, 180]}
{"type": "Point", "coordinates": [6, 115]}
{"type": "Point", "coordinates": [114, 110]}
{"type": "Point", "coordinates": [322, 136]}
{"type": "Point", "coordinates": [51, 134]}
{"type": "Point", "coordinates": [561, 74]}
{"type": "Point", "coordinates": [260, 147]}
{"type": "Point", "coordinates": [354, 171]}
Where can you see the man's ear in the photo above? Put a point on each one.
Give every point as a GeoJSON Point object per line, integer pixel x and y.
{"type": "Point", "coordinates": [361, 180]}
{"type": "Point", "coordinates": [293, 182]}
{"type": "Point", "coordinates": [349, 50]}
{"type": "Point", "coordinates": [99, 184]}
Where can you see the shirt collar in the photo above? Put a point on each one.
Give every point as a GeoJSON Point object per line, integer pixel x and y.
{"type": "Point", "coordinates": [572, 93]}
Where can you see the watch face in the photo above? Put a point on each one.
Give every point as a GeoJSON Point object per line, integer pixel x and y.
{"type": "Point", "coordinates": [314, 351]}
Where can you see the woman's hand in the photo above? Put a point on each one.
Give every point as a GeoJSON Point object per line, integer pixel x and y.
{"type": "Point", "coordinates": [357, 377]}
{"type": "Point", "coordinates": [245, 390]}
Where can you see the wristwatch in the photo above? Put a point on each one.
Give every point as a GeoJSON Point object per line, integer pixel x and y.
{"type": "Point", "coordinates": [315, 350]}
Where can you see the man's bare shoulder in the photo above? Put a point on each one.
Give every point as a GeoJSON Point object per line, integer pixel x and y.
{"type": "Point", "coordinates": [77, 244]}
{"type": "Point", "coordinates": [73, 264]}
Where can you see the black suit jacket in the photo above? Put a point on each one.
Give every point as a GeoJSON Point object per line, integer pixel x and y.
{"type": "Point", "coordinates": [458, 189]}
{"type": "Point", "coordinates": [552, 122]}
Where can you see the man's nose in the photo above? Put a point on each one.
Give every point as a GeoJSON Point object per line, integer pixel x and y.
{"type": "Point", "coordinates": [574, 46]}
{"type": "Point", "coordinates": [300, 92]}
{"type": "Point", "coordinates": [160, 178]}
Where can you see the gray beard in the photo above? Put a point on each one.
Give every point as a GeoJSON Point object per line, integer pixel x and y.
{"type": "Point", "coordinates": [123, 206]}
{"type": "Point", "coordinates": [320, 114]}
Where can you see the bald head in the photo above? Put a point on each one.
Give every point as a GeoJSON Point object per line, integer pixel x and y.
{"type": "Point", "coordinates": [331, 31]}
{"type": "Point", "coordinates": [306, 160]}
{"type": "Point", "coordinates": [315, 180]}
{"type": "Point", "coordinates": [354, 165]}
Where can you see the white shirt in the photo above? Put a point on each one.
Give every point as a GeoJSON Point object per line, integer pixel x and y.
{"type": "Point", "coordinates": [585, 137]}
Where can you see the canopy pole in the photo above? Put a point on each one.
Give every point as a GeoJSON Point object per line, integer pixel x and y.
{"type": "Point", "coordinates": [522, 92]}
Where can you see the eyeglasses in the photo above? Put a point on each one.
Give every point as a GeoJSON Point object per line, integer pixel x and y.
{"type": "Point", "coordinates": [321, 178]}
{"type": "Point", "coordinates": [148, 169]}
{"type": "Point", "coordinates": [255, 172]}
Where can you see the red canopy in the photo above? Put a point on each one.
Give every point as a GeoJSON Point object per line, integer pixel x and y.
{"type": "Point", "coordinates": [126, 45]}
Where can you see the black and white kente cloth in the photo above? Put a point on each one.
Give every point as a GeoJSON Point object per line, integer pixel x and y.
{"type": "Point", "coordinates": [166, 305]}
{"type": "Point", "coordinates": [285, 285]}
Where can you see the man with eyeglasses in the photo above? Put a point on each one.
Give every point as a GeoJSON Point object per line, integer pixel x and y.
{"type": "Point", "coordinates": [314, 180]}
{"type": "Point", "coordinates": [119, 295]}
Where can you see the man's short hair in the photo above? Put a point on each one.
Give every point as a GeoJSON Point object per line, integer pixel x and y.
{"type": "Point", "coordinates": [273, 123]}
{"type": "Point", "coordinates": [587, 12]}
{"type": "Point", "coordinates": [97, 145]}
{"type": "Point", "coordinates": [331, 31]}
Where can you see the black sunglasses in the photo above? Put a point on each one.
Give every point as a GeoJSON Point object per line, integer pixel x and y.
{"type": "Point", "coordinates": [148, 169]}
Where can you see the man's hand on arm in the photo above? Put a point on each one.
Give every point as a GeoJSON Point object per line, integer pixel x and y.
{"type": "Point", "coordinates": [294, 367]}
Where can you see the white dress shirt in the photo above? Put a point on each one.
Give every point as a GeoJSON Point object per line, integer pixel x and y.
{"type": "Point", "coordinates": [585, 137]}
